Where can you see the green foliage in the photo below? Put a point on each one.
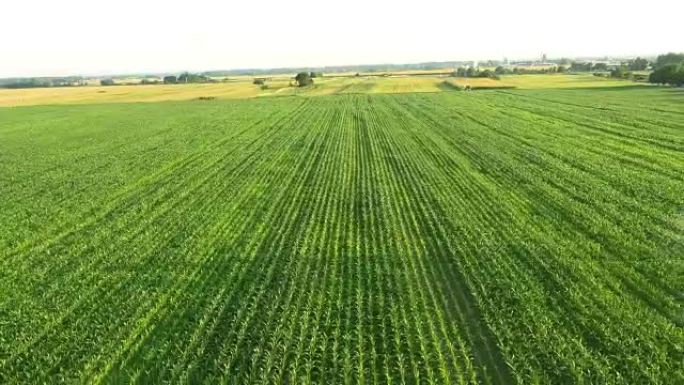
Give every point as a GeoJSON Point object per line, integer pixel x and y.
{"type": "Point", "coordinates": [149, 81]}
{"type": "Point", "coordinates": [672, 74]}
{"type": "Point", "coordinates": [485, 74]}
{"type": "Point", "coordinates": [669, 69]}
{"type": "Point", "coordinates": [187, 77]}
{"type": "Point", "coordinates": [519, 237]}
{"type": "Point", "coordinates": [303, 79]}
{"type": "Point", "coordinates": [259, 81]}
{"type": "Point", "coordinates": [638, 64]}
{"type": "Point", "coordinates": [17, 83]}
{"type": "Point", "coordinates": [170, 79]}
{"type": "Point", "coordinates": [669, 58]}
{"type": "Point", "coordinates": [26, 83]}
{"type": "Point", "coordinates": [620, 73]}
{"type": "Point", "coordinates": [581, 66]}
{"type": "Point", "coordinates": [471, 72]}
{"type": "Point", "coordinates": [107, 82]}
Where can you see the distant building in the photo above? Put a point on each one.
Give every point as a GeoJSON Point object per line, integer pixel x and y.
{"type": "Point", "coordinates": [523, 63]}
{"type": "Point", "coordinates": [610, 64]}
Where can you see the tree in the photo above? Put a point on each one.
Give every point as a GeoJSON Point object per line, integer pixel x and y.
{"type": "Point", "coordinates": [638, 64]}
{"type": "Point", "coordinates": [669, 69]}
{"type": "Point", "coordinates": [259, 82]}
{"type": "Point", "coordinates": [470, 72]}
{"type": "Point", "coordinates": [618, 72]}
{"type": "Point", "coordinates": [600, 67]}
{"type": "Point", "coordinates": [461, 72]}
{"type": "Point", "coordinates": [107, 82]}
{"type": "Point", "coordinates": [500, 70]}
{"type": "Point", "coordinates": [669, 58]}
{"type": "Point", "coordinates": [672, 74]}
{"type": "Point", "coordinates": [170, 79]}
{"type": "Point", "coordinates": [485, 74]}
{"type": "Point", "coordinates": [187, 77]}
{"type": "Point", "coordinates": [303, 79]}
{"type": "Point", "coordinates": [149, 81]}
{"type": "Point", "coordinates": [580, 67]}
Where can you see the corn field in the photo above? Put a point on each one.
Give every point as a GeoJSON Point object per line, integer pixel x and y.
{"type": "Point", "coordinates": [494, 237]}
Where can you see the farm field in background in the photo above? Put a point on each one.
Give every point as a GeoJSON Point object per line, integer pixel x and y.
{"type": "Point", "coordinates": [495, 237]}
{"type": "Point", "coordinates": [124, 93]}
{"type": "Point", "coordinates": [242, 87]}
{"type": "Point", "coordinates": [531, 82]}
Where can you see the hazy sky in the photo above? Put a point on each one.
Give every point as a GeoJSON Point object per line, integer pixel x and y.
{"type": "Point", "coordinates": [53, 37]}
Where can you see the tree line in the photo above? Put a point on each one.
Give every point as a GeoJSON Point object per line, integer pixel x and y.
{"type": "Point", "coordinates": [71, 81]}
{"type": "Point", "coordinates": [187, 77]}
{"type": "Point", "coordinates": [637, 64]}
{"type": "Point", "coordinates": [668, 69]}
